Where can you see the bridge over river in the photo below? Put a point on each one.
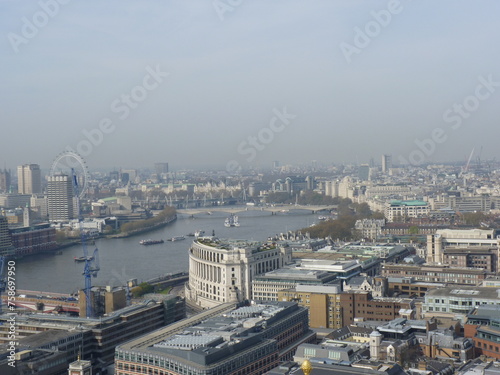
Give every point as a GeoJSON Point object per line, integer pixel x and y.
{"type": "Point", "coordinates": [274, 209]}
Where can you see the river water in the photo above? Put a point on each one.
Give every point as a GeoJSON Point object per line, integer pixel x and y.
{"type": "Point", "coordinates": [124, 259]}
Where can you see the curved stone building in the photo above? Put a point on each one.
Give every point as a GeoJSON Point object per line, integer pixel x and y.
{"type": "Point", "coordinates": [221, 271]}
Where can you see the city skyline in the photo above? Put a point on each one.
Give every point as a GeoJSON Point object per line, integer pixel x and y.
{"type": "Point", "coordinates": [243, 85]}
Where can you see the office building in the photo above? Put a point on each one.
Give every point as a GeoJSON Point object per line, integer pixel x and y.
{"type": "Point", "coordinates": [266, 286]}
{"type": "Point", "coordinates": [388, 191]}
{"type": "Point", "coordinates": [370, 228]}
{"type": "Point", "coordinates": [8, 200]}
{"type": "Point", "coordinates": [91, 339]}
{"type": "Point", "coordinates": [38, 204]}
{"type": "Point", "coordinates": [364, 172]}
{"type": "Point", "coordinates": [29, 179]}
{"type": "Point", "coordinates": [37, 361]}
{"type": "Point", "coordinates": [483, 327]}
{"type": "Point", "coordinates": [329, 307]}
{"type": "Point", "coordinates": [28, 240]}
{"type": "Point", "coordinates": [349, 260]}
{"type": "Point", "coordinates": [386, 163]}
{"type": "Point", "coordinates": [104, 300]}
{"type": "Point", "coordinates": [458, 301]}
{"type": "Point", "coordinates": [222, 270]}
{"type": "Point", "coordinates": [459, 239]}
{"type": "Point", "coordinates": [435, 274]}
{"type": "Point", "coordinates": [60, 196]}
{"type": "Point", "coordinates": [446, 344]}
{"type": "Point", "coordinates": [6, 247]}
{"type": "Point", "coordinates": [132, 173]}
{"type": "Point", "coordinates": [161, 170]}
{"type": "Point", "coordinates": [472, 257]}
{"type": "Point", "coordinates": [409, 287]}
{"type": "Point", "coordinates": [248, 340]}
{"type": "Point", "coordinates": [400, 210]}
{"type": "Point", "coordinates": [5, 181]}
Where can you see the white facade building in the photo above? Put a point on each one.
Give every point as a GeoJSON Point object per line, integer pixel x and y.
{"type": "Point", "coordinates": [29, 179]}
{"type": "Point", "coordinates": [60, 198]}
{"type": "Point", "coordinates": [370, 228]}
{"type": "Point", "coordinates": [401, 209]}
{"type": "Point", "coordinates": [459, 238]}
{"type": "Point", "coordinates": [222, 270]}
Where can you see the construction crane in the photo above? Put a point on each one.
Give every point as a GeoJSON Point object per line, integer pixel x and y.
{"type": "Point", "coordinates": [466, 168]}
{"type": "Point", "coordinates": [2, 280]}
{"type": "Point", "coordinates": [91, 266]}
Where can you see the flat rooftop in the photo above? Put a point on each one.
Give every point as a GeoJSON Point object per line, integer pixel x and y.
{"type": "Point", "coordinates": [294, 274]}
{"type": "Point", "coordinates": [205, 341]}
{"type": "Point", "coordinates": [465, 292]}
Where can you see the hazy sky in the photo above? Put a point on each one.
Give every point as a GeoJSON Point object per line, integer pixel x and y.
{"type": "Point", "coordinates": [190, 81]}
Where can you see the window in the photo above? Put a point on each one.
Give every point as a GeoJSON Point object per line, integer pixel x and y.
{"type": "Point", "coordinates": [309, 352]}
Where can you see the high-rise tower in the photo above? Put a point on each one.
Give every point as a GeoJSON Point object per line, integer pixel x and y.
{"type": "Point", "coordinates": [29, 179]}
{"type": "Point", "coordinates": [60, 198]}
{"type": "Point", "coordinates": [386, 163]}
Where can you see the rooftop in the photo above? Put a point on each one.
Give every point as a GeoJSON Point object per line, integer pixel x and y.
{"type": "Point", "coordinates": [464, 292]}
{"type": "Point", "coordinates": [409, 203]}
{"type": "Point", "coordinates": [224, 330]}
{"type": "Point", "coordinates": [234, 244]}
{"type": "Point", "coordinates": [295, 274]}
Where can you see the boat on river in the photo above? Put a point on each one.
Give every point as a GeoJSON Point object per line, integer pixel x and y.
{"type": "Point", "coordinates": [177, 238]}
{"type": "Point", "coordinates": [150, 242]}
{"type": "Point", "coordinates": [232, 221]}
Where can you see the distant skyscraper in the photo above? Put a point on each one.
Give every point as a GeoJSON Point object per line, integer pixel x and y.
{"type": "Point", "coordinates": [364, 172]}
{"type": "Point", "coordinates": [386, 163]}
{"type": "Point", "coordinates": [132, 173]}
{"type": "Point", "coordinates": [276, 164]}
{"type": "Point", "coordinates": [309, 182]}
{"type": "Point", "coordinates": [29, 179]}
{"type": "Point", "coordinates": [161, 170]}
{"type": "Point", "coordinates": [4, 181]}
{"type": "Point", "coordinates": [60, 198]}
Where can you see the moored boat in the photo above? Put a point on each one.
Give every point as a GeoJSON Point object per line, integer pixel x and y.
{"type": "Point", "coordinates": [82, 259]}
{"type": "Point", "coordinates": [177, 238]}
{"type": "Point", "coordinates": [150, 242]}
{"type": "Point", "coordinates": [232, 221]}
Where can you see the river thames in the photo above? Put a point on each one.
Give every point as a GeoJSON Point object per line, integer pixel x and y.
{"type": "Point", "coordinates": [124, 259]}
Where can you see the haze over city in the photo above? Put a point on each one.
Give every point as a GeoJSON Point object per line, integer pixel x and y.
{"type": "Point", "coordinates": [232, 187]}
{"type": "Point", "coordinates": [357, 78]}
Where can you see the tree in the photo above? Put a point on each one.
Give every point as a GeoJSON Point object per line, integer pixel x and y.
{"type": "Point", "coordinates": [60, 236]}
{"type": "Point", "coordinates": [343, 227]}
{"type": "Point", "coordinates": [163, 216]}
{"type": "Point", "coordinates": [378, 215]}
{"type": "Point", "coordinates": [363, 210]}
{"type": "Point", "coordinates": [141, 289]}
{"type": "Point", "coordinates": [108, 229]}
{"type": "Point", "coordinates": [413, 230]}
{"type": "Point", "coordinates": [475, 218]}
